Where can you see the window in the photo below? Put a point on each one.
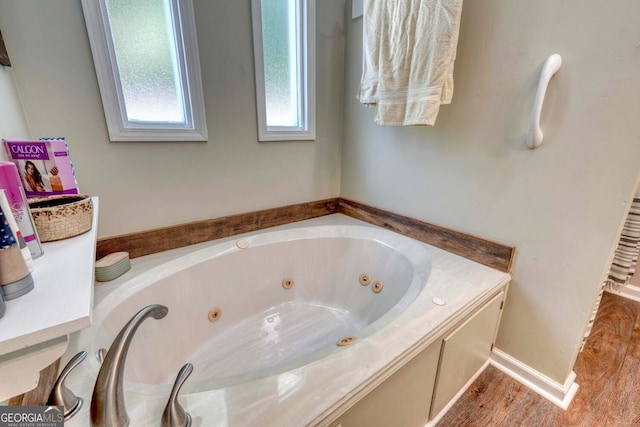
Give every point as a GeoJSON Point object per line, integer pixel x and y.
{"type": "Point", "coordinates": [284, 50]}
{"type": "Point", "coordinates": [146, 59]}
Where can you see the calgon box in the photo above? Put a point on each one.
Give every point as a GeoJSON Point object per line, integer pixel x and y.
{"type": "Point", "coordinates": [44, 165]}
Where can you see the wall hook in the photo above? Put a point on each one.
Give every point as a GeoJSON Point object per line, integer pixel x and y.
{"type": "Point", "coordinates": [550, 67]}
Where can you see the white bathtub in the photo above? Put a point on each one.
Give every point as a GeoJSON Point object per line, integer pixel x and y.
{"type": "Point", "coordinates": [264, 328]}
{"type": "Point", "coordinates": [271, 358]}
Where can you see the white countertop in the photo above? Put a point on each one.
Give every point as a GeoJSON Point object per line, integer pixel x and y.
{"type": "Point", "coordinates": [62, 299]}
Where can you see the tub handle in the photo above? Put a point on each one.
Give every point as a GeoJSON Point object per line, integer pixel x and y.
{"type": "Point", "coordinates": [101, 354]}
{"type": "Point", "coordinates": [550, 67]}
{"type": "Point", "coordinates": [61, 395]}
{"type": "Point", "coordinates": [174, 414]}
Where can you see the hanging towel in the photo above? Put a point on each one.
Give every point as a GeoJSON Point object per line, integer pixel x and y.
{"type": "Point", "coordinates": [409, 47]}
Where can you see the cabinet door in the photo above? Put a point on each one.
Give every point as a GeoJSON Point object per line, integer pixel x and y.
{"type": "Point", "coordinates": [464, 351]}
{"type": "Point", "coordinates": [402, 400]}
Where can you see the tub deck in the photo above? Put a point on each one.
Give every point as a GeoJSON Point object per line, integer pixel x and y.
{"type": "Point", "coordinates": [309, 394]}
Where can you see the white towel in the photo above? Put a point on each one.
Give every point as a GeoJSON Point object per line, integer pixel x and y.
{"type": "Point", "coordinates": [409, 47]}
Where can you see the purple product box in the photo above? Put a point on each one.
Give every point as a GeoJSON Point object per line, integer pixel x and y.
{"type": "Point", "coordinates": [44, 166]}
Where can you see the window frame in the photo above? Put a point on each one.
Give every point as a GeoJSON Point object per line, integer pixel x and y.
{"type": "Point", "coordinates": [119, 127]}
{"type": "Point", "coordinates": [306, 73]}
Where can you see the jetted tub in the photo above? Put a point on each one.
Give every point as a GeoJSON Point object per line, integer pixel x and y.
{"type": "Point", "coordinates": [260, 317]}
{"type": "Point", "coordinates": [283, 299]}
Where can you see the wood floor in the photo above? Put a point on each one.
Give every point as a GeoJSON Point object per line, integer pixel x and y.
{"type": "Point", "coordinates": [608, 372]}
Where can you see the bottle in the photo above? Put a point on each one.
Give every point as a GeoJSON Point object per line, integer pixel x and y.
{"type": "Point", "coordinates": [26, 253]}
{"type": "Point", "coordinates": [10, 183]}
{"type": "Point", "coordinates": [3, 306]}
{"type": "Point", "coordinates": [15, 279]}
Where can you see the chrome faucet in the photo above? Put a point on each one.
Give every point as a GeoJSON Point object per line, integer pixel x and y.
{"type": "Point", "coordinates": [107, 402]}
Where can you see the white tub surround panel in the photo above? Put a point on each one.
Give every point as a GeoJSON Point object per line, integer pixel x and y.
{"type": "Point", "coordinates": [34, 329]}
{"type": "Point", "coordinates": [318, 391]}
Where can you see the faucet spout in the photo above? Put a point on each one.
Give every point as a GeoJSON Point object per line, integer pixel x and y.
{"type": "Point", "coordinates": [107, 402]}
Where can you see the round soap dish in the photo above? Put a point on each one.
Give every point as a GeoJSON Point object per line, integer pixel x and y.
{"type": "Point", "coordinates": [61, 216]}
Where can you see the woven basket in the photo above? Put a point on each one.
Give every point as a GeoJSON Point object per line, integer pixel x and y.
{"type": "Point", "coordinates": [61, 217]}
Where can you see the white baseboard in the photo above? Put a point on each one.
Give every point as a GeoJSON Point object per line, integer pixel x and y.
{"type": "Point", "coordinates": [627, 291]}
{"type": "Point", "coordinates": [559, 394]}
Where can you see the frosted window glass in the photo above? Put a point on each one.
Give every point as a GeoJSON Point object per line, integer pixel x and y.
{"type": "Point", "coordinates": [144, 44]}
{"type": "Point", "coordinates": [280, 52]}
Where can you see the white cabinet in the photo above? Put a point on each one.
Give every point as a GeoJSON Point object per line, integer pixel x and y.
{"type": "Point", "coordinates": [423, 387]}
{"type": "Point", "coordinates": [402, 399]}
{"type": "Point", "coordinates": [464, 351]}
